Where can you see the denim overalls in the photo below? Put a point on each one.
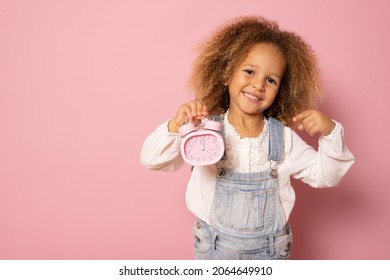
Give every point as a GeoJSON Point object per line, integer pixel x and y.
{"type": "Point", "coordinates": [246, 217]}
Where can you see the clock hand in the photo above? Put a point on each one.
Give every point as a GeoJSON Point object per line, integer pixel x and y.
{"type": "Point", "coordinates": [204, 148]}
{"type": "Point", "coordinates": [209, 151]}
{"type": "Point", "coordinates": [202, 145]}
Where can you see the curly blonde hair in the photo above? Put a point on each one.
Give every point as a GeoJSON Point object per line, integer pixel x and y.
{"type": "Point", "coordinates": [229, 45]}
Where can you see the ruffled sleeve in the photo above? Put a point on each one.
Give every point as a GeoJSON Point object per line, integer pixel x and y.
{"type": "Point", "coordinates": [161, 150]}
{"type": "Point", "coordinates": [325, 167]}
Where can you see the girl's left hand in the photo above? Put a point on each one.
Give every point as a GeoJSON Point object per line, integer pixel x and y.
{"type": "Point", "coordinates": [314, 121]}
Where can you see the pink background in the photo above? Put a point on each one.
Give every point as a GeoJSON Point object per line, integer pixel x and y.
{"type": "Point", "coordinates": [82, 83]}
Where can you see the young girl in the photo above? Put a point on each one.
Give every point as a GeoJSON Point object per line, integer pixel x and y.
{"type": "Point", "coordinates": [262, 81]}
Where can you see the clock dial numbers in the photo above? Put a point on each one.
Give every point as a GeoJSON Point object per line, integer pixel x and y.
{"type": "Point", "coordinates": [212, 145]}
{"type": "Point", "coordinates": [202, 148]}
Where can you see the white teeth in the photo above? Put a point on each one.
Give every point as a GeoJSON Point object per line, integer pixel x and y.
{"type": "Point", "coordinates": [251, 96]}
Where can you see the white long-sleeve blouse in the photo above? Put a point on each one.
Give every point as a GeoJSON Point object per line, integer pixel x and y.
{"type": "Point", "coordinates": [323, 168]}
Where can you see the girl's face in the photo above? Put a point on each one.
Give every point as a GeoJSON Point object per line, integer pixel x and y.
{"type": "Point", "coordinates": [255, 81]}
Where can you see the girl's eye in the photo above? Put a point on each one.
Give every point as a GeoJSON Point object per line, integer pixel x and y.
{"type": "Point", "coordinates": [249, 72]}
{"type": "Point", "coordinates": [271, 81]}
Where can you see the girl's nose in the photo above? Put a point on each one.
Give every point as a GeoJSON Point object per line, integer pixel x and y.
{"type": "Point", "coordinates": [258, 85]}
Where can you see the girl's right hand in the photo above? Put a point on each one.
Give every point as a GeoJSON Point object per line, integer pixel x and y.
{"type": "Point", "coordinates": [193, 111]}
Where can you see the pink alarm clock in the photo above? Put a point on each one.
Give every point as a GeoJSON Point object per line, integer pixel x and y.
{"type": "Point", "coordinates": [202, 146]}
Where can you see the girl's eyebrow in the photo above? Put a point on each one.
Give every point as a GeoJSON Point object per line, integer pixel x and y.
{"type": "Point", "coordinates": [276, 75]}
{"type": "Point", "coordinates": [251, 65]}
{"type": "Point", "coordinates": [254, 66]}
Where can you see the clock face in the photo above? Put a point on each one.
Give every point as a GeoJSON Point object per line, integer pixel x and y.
{"type": "Point", "coordinates": [203, 148]}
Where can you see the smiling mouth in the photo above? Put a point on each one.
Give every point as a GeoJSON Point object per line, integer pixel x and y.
{"type": "Point", "coordinates": [251, 96]}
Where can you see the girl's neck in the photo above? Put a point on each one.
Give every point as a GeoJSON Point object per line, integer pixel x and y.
{"type": "Point", "coordinates": [247, 126]}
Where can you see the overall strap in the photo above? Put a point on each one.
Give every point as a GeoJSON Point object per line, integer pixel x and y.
{"type": "Point", "coordinates": [276, 139]}
{"type": "Point", "coordinates": [216, 118]}
{"type": "Point", "coordinates": [219, 119]}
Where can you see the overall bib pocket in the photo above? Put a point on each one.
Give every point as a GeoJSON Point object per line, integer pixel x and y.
{"type": "Point", "coordinates": [244, 210]}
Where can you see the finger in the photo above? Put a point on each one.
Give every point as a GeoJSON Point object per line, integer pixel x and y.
{"type": "Point", "coordinates": [301, 127]}
{"type": "Point", "coordinates": [309, 119]}
{"type": "Point", "coordinates": [202, 111]}
{"type": "Point", "coordinates": [191, 109]}
{"type": "Point", "coordinates": [311, 127]}
{"type": "Point", "coordinates": [302, 116]}
{"type": "Point", "coordinates": [301, 119]}
{"type": "Point", "coordinates": [199, 109]}
{"type": "Point", "coordinates": [184, 114]}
